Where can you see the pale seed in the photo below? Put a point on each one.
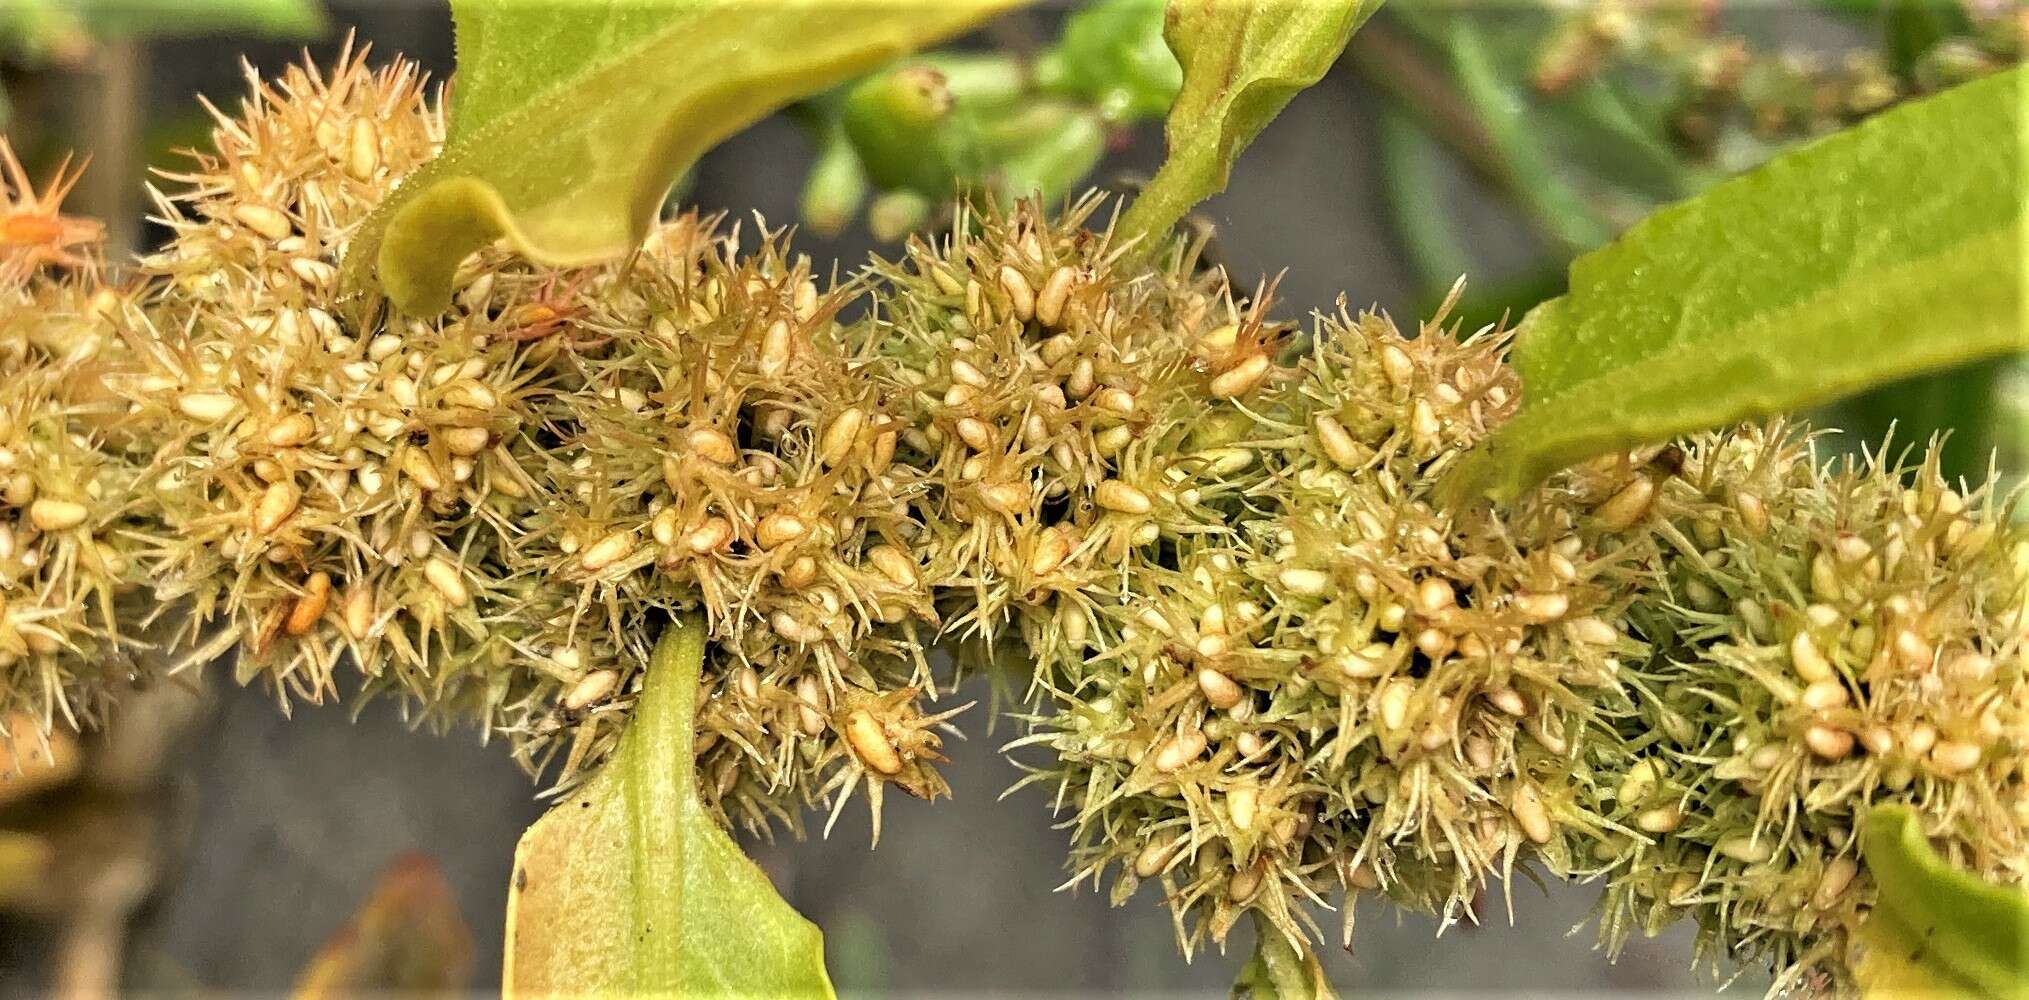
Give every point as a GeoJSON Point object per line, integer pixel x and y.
{"type": "Point", "coordinates": [291, 431]}
{"type": "Point", "coordinates": [1219, 689]}
{"type": "Point", "coordinates": [57, 515]}
{"type": "Point", "coordinates": [1531, 815]}
{"type": "Point", "coordinates": [447, 580]}
{"type": "Point", "coordinates": [778, 529]}
{"type": "Point", "coordinates": [607, 551]}
{"type": "Point", "coordinates": [209, 407]}
{"type": "Point", "coordinates": [1827, 742]}
{"type": "Point", "coordinates": [1020, 296]}
{"type": "Point", "coordinates": [839, 438]}
{"type": "Point", "coordinates": [277, 503]}
{"type": "Point", "coordinates": [870, 744]}
{"type": "Point", "coordinates": [1240, 378]}
{"type": "Point", "coordinates": [1120, 497]}
{"type": "Point", "coordinates": [310, 606]}
{"type": "Point", "coordinates": [592, 687]}
{"type": "Point", "coordinates": [1628, 506]}
{"type": "Point", "coordinates": [1832, 884]}
{"type": "Point", "coordinates": [264, 220]}
{"type": "Point", "coordinates": [1338, 444]}
{"type": "Point", "coordinates": [1056, 291]}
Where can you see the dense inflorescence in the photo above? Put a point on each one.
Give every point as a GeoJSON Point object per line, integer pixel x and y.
{"type": "Point", "coordinates": [1268, 668]}
{"type": "Point", "coordinates": [1830, 638]}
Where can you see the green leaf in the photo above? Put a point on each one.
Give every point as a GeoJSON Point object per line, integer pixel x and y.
{"type": "Point", "coordinates": [630, 887]}
{"type": "Point", "coordinates": [1111, 55]}
{"type": "Point", "coordinates": [1243, 61]}
{"type": "Point", "coordinates": [1887, 250]}
{"type": "Point", "coordinates": [572, 117]}
{"type": "Point", "coordinates": [1280, 969]}
{"type": "Point", "coordinates": [1936, 930]}
{"type": "Point", "coordinates": [183, 18]}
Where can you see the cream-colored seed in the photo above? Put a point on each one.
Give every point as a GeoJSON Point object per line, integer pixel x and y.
{"type": "Point", "coordinates": [1434, 595]}
{"type": "Point", "coordinates": [795, 629]}
{"type": "Point", "coordinates": [1661, 819]}
{"type": "Point", "coordinates": [893, 564]}
{"type": "Point", "coordinates": [1747, 849]}
{"type": "Point", "coordinates": [1530, 814]}
{"type": "Point", "coordinates": [1950, 757]}
{"type": "Point", "coordinates": [416, 464]}
{"type": "Point", "coordinates": [591, 688]}
{"type": "Point", "coordinates": [1753, 513]}
{"type": "Point", "coordinates": [1053, 546]}
{"type": "Point", "coordinates": [976, 433]}
{"type": "Point", "coordinates": [264, 220]}
{"type": "Point", "coordinates": [1120, 497]}
{"type": "Point", "coordinates": [362, 150]}
{"type": "Point", "coordinates": [713, 447]}
{"type": "Point", "coordinates": [48, 514]}
{"type": "Point", "coordinates": [1309, 582]}
{"type": "Point", "coordinates": [1594, 631]}
{"type": "Point", "coordinates": [1245, 884]}
{"type": "Point", "coordinates": [278, 502]}
{"type": "Point", "coordinates": [467, 440]}
{"type": "Point", "coordinates": [839, 438]}
{"type": "Point", "coordinates": [310, 605]}
{"type": "Point", "coordinates": [1396, 365]}
{"type": "Point", "coordinates": [779, 529]}
{"type": "Point", "coordinates": [1220, 690]}
{"type": "Point", "coordinates": [775, 349]}
{"type": "Point", "coordinates": [1878, 739]}
{"type": "Point", "coordinates": [1423, 423]}
{"type": "Point", "coordinates": [447, 580]}
{"type": "Point", "coordinates": [1810, 664]}
{"type": "Point", "coordinates": [607, 551]}
{"type": "Point", "coordinates": [1056, 292]}
{"type": "Point", "coordinates": [1241, 378]}
{"type": "Point", "coordinates": [1242, 803]}
{"type": "Point", "coordinates": [710, 535]}
{"type": "Point", "coordinates": [1007, 498]}
{"type": "Point", "coordinates": [1156, 856]}
{"type": "Point", "coordinates": [1822, 695]}
{"type": "Point", "coordinates": [1115, 400]}
{"type": "Point", "coordinates": [1828, 742]}
{"type": "Point", "coordinates": [1395, 697]}
{"type": "Point", "coordinates": [810, 706]}
{"type": "Point", "coordinates": [664, 527]}
{"type": "Point", "coordinates": [1021, 297]}
{"type": "Point", "coordinates": [1337, 443]}
{"type": "Point", "coordinates": [359, 612]}
{"type": "Point", "coordinates": [209, 407]}
{"type": "Point", "coordinates": [1628, 506]}
{"type": "Point", "coordinates": [1180, 751]}
{"type": "Point", "coordinates": [870, 743]}
{"type": "Point", "coordinates": [1832, 884]}
{"type": "Point", "coordinates": [1509, 700]}
{"type": "Point", "coordinates": [291, 431]}
{"type": "Point", "coordinates": [1541, 608]}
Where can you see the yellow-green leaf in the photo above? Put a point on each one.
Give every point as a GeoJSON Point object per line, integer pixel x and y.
{"type": "Point", "coordinates": [1936, 930]}
{"type": "Point", "coordinates": [1281, 969]}
{"type": "Point", "coordinates": [407, 938]}
{"type": "Point", "coordinates": [629, 887]}
{"type": "Point", "coordinates": [571, 118]}
{"type": "Point", "coordinates": [1886, 250]}
{"type": "Point", "coordinates": [1243, 60]}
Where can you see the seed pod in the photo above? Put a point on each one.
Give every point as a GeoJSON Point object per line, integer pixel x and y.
{"type": "Point", "coordinates": [593, 687]}
{"type": "Point", "coordinates": [975, 433]}
{"type": "Point", "coordinates": [1180, 751]}
{"type": "Point", "coordinates": [1245, 884]}
{"type": "Point", "coordinates": [710, 535]}
{"type": "Point", "coordinates": [1530, 814]}
{"type": "Point", "coordinates": [870, 743]}
{"type": "Point", "coordinates": [1337, 443]}
{"type": "Point", "coordinates": [893, 564]}
{"type": "Point", "coordinates": [309, 607]}
{"type": "Point", "coordinates": [1120, 497]}
{"type": "Point", "coordinates": [49, 514]}
{"type": "Point", "coordinates": [779, 529]}
{"type": "Point", "coordinates": [1628, 506]}
{"type": "Point", "coordinates": [836, 445]}
{"type": "Point", "coordinates": [1021, 297]}
{"type": "Point", "coordinates": [1219, 689]}
{"type": "Point", "coordinates": [1241, 378]}
{"type": "Point", "coordinates": [607, 551]}
{"type": "Point", "coordinates": [206, 407]}
{"type": "Point", "coordinates": [447, 580]}
{"type": "Point", "coordinates": [1056, 292]}
{"type": "Point", "coordinates": [1052, 548]}
{"type": "Point", "coordinates": [713, 447]}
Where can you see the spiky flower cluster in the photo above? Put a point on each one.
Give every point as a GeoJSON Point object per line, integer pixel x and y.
{"type": "Point", "coordinates": [1723, 84]}
{"type": "Point", "coordinates": [1269, 667]}
{"type": "Point", "coordinates": [1830, 638]}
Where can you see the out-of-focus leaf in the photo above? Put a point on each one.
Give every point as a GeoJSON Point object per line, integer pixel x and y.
{"type": "Point", "coordinates": [1111, 55]}
{"type": "Point", "coordinates": [1936, 931]}
{"type": "Point", "coordinates": [407, 938]}
{"type": "Point", "coordinates": [1280, 970]}
{"type": "Point", "coordinates": [630, 887]}
{"type": "Point", "coordinates": [1243, 60]}
{"type": "Point", "coordinates": [25, 859]}
{"type": "Point", "coordinates": [31, 761]}
{"type": "Point", "coordinates": [172, 18]}
{"type": "Point", "coordinates": [1887, 250]}
{"type": "Point", "coordinates": [572, 117]}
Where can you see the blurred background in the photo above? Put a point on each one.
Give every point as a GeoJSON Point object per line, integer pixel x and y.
{"type": "Point", "coordinates": [210, 842]}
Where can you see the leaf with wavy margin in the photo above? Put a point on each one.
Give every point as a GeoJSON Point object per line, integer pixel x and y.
{"type": "Point", "coordinates": [573, 117]}
{"type": "Point", "coordinates": [1243, 61]}
{"type": "Point", "coordinates": [1936, 931]}
{"type": "Point", "coordinates": [630, 887]}
{"type": "Point", "coordinates": [1892, 248]}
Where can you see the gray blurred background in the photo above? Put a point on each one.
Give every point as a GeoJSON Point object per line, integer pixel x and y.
{"type": "Point", "coordinates": [279, 826]}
